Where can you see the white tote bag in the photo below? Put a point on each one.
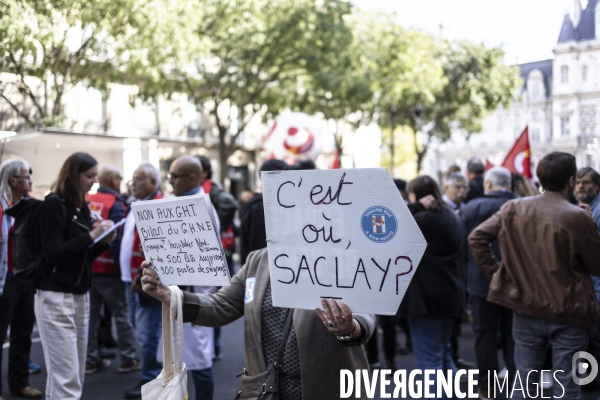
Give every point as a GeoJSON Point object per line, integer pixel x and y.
{"type": "Point", "coordinates": [171, 384]}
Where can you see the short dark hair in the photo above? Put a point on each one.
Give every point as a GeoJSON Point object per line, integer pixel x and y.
{"type": "Point", "coordinates": [425, 185]}
{"type": "Point", "coordinates": [274, 165]}
{"type": "Point", "coordinates": [68, 177]}
{"type": "Point", "coordinates": [206, 167]}
{"type": "Point", "coordinates": [555, 170]}
{"type": "Point", "coordinates": [581, 172]}
{"type": "Point", "coordinates": [304, 165]}
{"type": "Point", "coordinates": [475, 166]}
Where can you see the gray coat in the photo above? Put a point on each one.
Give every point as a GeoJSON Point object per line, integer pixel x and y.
{"type": "Point", "coordinates": [321, 354]}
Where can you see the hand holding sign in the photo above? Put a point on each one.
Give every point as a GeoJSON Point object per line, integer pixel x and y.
{"type": "Point", "coordinates": [180, 239]}
{"type": "Point", "coordinates": [152, 285]}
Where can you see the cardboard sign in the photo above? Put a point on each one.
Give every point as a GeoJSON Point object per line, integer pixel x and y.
{"type": "Point", "coordinates": [180, 236]}
{"type": "Point", "coordinates": [343, 234]}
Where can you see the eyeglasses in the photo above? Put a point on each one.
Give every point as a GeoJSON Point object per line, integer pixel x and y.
{"type": "Point", "coordinates": [26, 177]}
{"type": "Point", "coordinates": [584, 183]}
{"type": "Point", "coordinates": [138, 179]}
{"type": "Point", "coordinates": [173, 176]}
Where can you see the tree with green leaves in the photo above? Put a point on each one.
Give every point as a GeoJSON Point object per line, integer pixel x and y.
{"type": "Point", "coordinates": [51, 45]}
{"type": "Point", "coordinates": [407, 73]}
{"type": "Point", "coordinates": [341, 89]}
{"type": "Point", "coordinates": [435, 87]}
{"type": "Point", "coordinates": [256, 55]}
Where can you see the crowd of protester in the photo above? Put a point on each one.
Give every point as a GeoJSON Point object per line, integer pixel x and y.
{"type": "Point", "coordinates": [516, 260]}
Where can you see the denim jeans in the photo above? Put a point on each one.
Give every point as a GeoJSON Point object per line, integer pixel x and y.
{"type": "Point", "coordinates": [203, 383]}
{"type": "Point", "coordinates": [431, 343]}
{"type": "Point", "coordinates": [132, 303]}
{"type": "Point", "coordinates": [488, 318]}
{"type": "Point", "coordinates": [531, 336]}
{"type": "Point", "coordinates": [149, 328]}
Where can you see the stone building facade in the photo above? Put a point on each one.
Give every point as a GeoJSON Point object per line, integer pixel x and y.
{"type": "Point", "coordinates": [559, 101]}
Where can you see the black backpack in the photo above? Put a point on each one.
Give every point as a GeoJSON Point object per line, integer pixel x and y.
{"type": "Point", "coordinates": [27, 250]}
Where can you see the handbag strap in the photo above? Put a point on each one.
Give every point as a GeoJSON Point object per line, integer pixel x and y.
{"type": "Point", "coordinates": [286, 331]}
{"type": "Point", "coordinates": [173, 335]}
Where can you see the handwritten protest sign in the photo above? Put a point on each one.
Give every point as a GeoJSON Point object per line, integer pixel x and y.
{"type": "Point", "coordinates": [343, 234]}
{"type": "Point", "coordinates": [180, 237]}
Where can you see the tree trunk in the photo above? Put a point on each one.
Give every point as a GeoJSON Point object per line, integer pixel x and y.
{"type": "Point", "coordinates": [420, 152]}
{"type": "Point", "coordinates": [420, 157]}
{"type": "Point", "coordinates": [224, 153]}
{"type": "Point", "coordinates": [393, 128]}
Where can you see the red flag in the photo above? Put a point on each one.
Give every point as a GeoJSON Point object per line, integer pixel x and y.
{"type": "Point", "coordinates": [336, 159]}
{"type": "Point", "coordinates": [518, 158]}
{"type": "Point", "coordinates": [488, 165]}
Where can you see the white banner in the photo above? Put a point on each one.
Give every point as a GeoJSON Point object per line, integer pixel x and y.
{"type": "Point", "coordinates": [180, 237]}
{"type": "Point", "coordinates": [343, 234]}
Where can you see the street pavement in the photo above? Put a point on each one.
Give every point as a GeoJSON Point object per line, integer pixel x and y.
{"type": "Point", "coordinates": [108, 384]}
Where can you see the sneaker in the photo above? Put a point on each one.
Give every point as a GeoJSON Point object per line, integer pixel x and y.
{"type": "Point", "coordinates": [130, 366]}
{"type": "Point", "coordinates": [93, 368]}
{"type": "Point", "coordinates": [104, 353]}
{"type": "Point", "coordinates": [218, 355]}
{"type": "Point", "coordinates": [502, 373]}
{"type": "Point", "coordinates": [461, 363]}
{"type": "Point", "coordinates": [34, 368]}
{"type": "Point", "coordinates": [546, 378]}
{"type": "Point", "coordinates": [27, 392]}
{"type": "Point", "coordinates": [135, 392]}
{"type": "Point", "coordinates": [484, 395]}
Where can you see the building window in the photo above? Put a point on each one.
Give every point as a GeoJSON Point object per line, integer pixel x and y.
{"type": "Point", "coordinates": [536, 116]}
{"type": "Point", "coordinates": [535, 135]}
{"type": "Point", "coordinates": [564, 74]}
{"type": "Point", "coordinates": [564, 127]}
{"type": "Point", "coordinates": [587, 119]}
{"type": "Point", "coordinates": [584, 73]}
{"type": "Point", "coordinates": [535, 91]}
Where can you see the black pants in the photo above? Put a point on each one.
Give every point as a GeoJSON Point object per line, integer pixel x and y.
{"type": "Point", "coordinates": [16, 310]}
{"type": "Point", "coordinates": [488, 320]}
{"type": "Point", "coordinates": [389, 341]}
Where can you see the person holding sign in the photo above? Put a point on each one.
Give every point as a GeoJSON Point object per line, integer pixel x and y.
{"type": "Point", "coordinates": [63, 278]}
{"type": "Point", "coordinates": [185, 175]}
{"type": "Point", "coordinates": [333, 332]}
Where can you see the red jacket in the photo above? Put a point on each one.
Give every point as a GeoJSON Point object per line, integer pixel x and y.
{"type": "Point", "coordinates": [100, 205]}
{"type": "Point", "coordinates": [137, 257]}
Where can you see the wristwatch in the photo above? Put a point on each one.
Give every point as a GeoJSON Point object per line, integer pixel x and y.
{"type": "Point", "coordinates": [348, 336]}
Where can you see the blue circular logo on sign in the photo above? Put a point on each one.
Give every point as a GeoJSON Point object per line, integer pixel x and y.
{"type": "Point", "coordinates": [379, 224]}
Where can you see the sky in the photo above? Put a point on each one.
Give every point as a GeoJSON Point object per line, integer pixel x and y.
{"type": "Point", "coordinates": [527, 30]}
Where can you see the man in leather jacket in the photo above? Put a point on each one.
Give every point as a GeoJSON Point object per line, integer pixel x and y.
{"type": "Point", "coordinates": [549, 249]}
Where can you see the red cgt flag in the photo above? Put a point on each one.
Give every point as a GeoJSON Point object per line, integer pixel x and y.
{"type": "Point", "coordinates": [518, 158]}
{"type": "Point", "coordinates": [488, 165]}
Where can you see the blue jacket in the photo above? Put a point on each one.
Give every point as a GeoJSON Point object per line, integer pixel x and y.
{"type": "Point", "coordinates": [473, 214]}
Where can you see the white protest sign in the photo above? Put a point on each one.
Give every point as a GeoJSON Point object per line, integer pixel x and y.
{"type": "Point", "coordinates": [343, 234]}
{"type": "Point", "coordinates": [179, 236]}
